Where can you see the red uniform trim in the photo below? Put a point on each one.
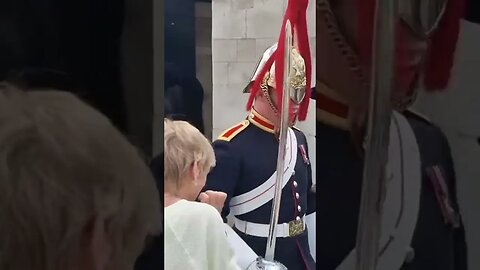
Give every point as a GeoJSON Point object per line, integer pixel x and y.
{"type": "Point", "coordinates": [332, 106]}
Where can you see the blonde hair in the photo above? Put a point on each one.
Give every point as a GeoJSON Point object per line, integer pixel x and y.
{"type": "Point", "coordinates": [183, 145]}
{"type": "Point", "coordinates": [62, 164]}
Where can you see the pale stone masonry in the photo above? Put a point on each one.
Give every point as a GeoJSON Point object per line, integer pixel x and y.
{"type": "Point", "coordinates": [241, 31]}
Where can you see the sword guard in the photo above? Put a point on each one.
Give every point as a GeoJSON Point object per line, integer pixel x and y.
{"type": "Point", "coordinates": [262, 264]}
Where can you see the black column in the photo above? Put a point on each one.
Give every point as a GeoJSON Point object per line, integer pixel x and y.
{"type": "Point", "coordinates": [473, 11]}
{"type": "Point", "coordinates": [180, 35]}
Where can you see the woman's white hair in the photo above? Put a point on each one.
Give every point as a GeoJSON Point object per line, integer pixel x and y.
{"type": "Point", "coordinates": [183, 145]}
{"type": "Point", "coordinates": [62, 165]}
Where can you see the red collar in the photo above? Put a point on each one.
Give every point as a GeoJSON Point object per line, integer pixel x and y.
{"type": "Point", "coordinates": [331, 108]}
{"type": "Point", "coordinates": [261, 122]}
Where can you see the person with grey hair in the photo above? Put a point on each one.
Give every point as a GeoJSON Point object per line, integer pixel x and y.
{"type": "Point", "coordinates": [74, 193]}
{"type": "Point", "coordinates": [195, 235]}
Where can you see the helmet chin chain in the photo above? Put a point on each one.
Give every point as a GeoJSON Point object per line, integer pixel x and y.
{"type": "Point", "coordinates": [348, 53]}
{"type": "Point", "coordinates": [266, 94]}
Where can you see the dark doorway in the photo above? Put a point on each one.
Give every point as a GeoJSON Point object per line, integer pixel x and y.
{"type": "Point", "coordinates": [188, 67]}
{"type": "Point", "coordinates": [72, 45]}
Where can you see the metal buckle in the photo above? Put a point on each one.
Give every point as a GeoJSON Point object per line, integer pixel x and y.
{"type": "Point", "coordinates": [295, 227]}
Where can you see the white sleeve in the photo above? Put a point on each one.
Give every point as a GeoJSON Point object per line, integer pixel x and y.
{"type": "Point", "coordinates": [220, 254]}
{"type": "Point", "coordinates": [244, 254]}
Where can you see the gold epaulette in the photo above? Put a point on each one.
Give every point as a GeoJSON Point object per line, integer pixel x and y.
{"type": "Point", "coordinates": [230, 133]}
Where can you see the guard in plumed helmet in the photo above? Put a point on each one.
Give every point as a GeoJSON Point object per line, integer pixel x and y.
{"type": "Point", "coordinates": [246, 157]}
{"type": "Point", "coordinates": [421, 227]}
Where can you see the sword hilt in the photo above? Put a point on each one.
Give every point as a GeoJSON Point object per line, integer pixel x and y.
{"type": "Point", "coordinates": [262, 264]}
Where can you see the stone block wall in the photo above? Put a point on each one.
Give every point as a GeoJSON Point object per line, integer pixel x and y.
{"type": "Point", "coordinates": [241, 31]}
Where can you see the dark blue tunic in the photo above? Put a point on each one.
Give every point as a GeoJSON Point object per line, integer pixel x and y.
{"type": "Point", "coordinates": [246, 161]}
{"type": "Point", "coordinates": [437, 245]}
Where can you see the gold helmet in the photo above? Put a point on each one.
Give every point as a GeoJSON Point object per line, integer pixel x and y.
{"type": "Point", "coordinates": [298, 78]}
{"type": "Point", "coordinates": [296, 18]}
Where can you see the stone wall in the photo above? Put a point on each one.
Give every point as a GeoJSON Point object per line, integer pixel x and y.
{"type": "Point", "coordinates": [241, 31]}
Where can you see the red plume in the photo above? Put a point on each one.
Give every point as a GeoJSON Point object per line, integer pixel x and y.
{"type": "Point", "coordinates": [443, 46]}
{"type": "Point", "coordinates": [443, 42]}
{"type": "Point", "coordinates": [366, 22]}
{"type": "Point", "coordinates": [296, 13]}
{"type": "Point", "coordinates": [304, 50]}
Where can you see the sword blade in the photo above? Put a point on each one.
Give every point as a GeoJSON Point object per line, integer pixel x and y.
{"type": "Point", "coordinates": [271, 240]}
{"type": "Point", "coordinates": [378, 131]}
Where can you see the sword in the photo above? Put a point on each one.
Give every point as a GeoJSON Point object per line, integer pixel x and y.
{"type": "Point", "coordinates": [269, 262]}
{"type": "Point", "coordinates": [271, 240]}
{"type": "Point", "coordinates": [380, 112]}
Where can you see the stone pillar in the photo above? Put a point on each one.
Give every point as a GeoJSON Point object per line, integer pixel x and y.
{"type": "Point", "coordinates": [241, 32]}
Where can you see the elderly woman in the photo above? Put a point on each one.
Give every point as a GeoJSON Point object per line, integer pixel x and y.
{"type": "Point", "coordinates": [74, 194]}
{"type": "Point", "coordinates": [194, 231]}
